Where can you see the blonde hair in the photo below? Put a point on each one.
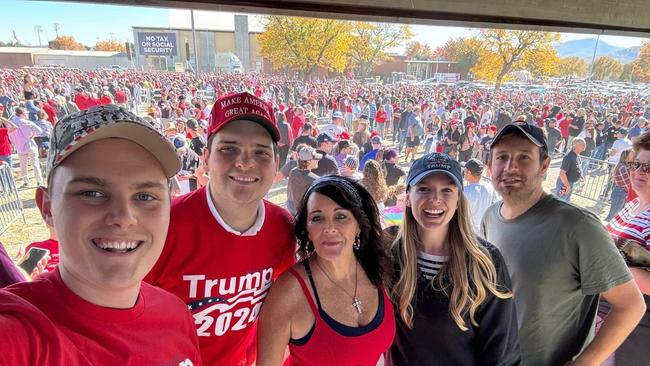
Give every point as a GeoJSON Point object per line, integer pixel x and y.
{"type": "Point", "coordinates": [467, 278]}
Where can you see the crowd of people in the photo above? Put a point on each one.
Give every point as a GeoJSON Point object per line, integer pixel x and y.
{"type": "Point", "coordinates": [416, 229]}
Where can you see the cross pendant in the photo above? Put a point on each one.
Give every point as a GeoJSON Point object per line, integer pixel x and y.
{"type": "Point", "coordinates": [357, 305]}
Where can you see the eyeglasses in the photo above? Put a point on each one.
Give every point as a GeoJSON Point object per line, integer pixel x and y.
{"type": "Point", "coordinates": [635, 165]}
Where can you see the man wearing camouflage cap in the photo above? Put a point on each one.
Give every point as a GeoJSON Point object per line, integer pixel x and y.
{"type": "Point", "coordinates": [108, 199]}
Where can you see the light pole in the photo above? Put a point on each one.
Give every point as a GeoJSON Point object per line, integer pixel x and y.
{"type": "Point", "coordinates": [56, 27]}
{"type": "Point", "coordinates": [38, 29]}
{"type": "Point", "coordinates": [196, 56]}
{"type": "Point", "coordinates": [593, 59]}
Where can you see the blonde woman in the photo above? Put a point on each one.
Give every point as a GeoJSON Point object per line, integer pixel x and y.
{"type": "Point", "coordinates": [451, 290]}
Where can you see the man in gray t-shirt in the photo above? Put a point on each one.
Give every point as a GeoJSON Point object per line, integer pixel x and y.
{"type": "Point", "coordinates": [301, 177]}
{"type": "Point", "coordinates": [560, 259]}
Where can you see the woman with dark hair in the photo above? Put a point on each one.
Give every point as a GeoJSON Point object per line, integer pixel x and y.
{"type": "Point", "coordinates": [466, 144]}
{"type": "Point", "coordinates": [286, 137]}
{"type": "Point", "coordinates": [30, 93]}
{"type": "Point", "coordinates": [332, 308]}
{"type": "Point", "coordinates": [630, 229]}
{"type": "Point", "coordinates": [451, 290]}
{"type": "Point", "coordinates": [451, 140]}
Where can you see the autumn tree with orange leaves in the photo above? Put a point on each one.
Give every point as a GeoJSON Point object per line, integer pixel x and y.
{"type": "Point", "coordinates": [641, 66]}
{"type": "Point", "coordinates": [418, 51]}
{"type": "Point", "coordinates": [370, 42]}
{"type": "Point", "coordinates": [110, 45]}
{"type": "Point", "coordinates": [504, 51]}
{"type": "Point", "coordinates": [606, 68]}
{"type": "Point", "coordinates": [66, 43]}
{"type": "Point", "coordinates": [306, 44]}
{"type": "Point", "coordinates": [572, 66]}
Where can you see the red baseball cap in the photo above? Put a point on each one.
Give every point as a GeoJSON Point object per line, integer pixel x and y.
{"type": "Point", "coordinates": [242, 106]}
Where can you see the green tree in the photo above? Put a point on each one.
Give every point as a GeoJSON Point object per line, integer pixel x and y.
{"type": "Point", "coordinates": [606, 68]}
{"type": "Point", "coordinates": [370, 42]}
{"type": "Point", "coordinates": [306, 44]}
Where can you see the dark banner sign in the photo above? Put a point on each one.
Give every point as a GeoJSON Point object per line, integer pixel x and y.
{"type": "Point", "coordinates": [157, 44]}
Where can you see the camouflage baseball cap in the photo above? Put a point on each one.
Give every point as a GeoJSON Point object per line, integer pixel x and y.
{"type": "Point", "coordinates": [108, 121]}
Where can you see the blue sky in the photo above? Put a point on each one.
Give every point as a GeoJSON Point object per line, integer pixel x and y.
{"type": "Point", "coordinates": [86, 22]}
{"type": "Point", "coordinates": [89, 23]}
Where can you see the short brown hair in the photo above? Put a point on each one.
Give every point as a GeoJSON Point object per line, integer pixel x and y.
{"type": "Point", "coordinates": [642, 142]}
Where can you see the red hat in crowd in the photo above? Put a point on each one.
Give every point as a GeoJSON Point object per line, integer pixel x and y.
{"type": "Point", "coordinates": [492, 128]}
{"type": "Point", "coordinates": [374, 133]}
{"type": "Point", "coordinates": [344, 136]}
{"type": "Point", "coordinates": [242, 106]}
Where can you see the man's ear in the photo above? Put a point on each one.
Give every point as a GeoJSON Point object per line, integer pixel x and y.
{"type": "Point", "coordinates": [546, 164]}
{"type": "Point", "coordinates": [489, 167]}
{"type": "Point", "coordinates": [44, 203]}
{"type": "Point", "coordinates": [205, 156]}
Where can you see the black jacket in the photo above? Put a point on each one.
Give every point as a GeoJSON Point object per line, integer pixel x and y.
{"type": "Point", "coordinates": [393, 173]}
{"type": "Point", "coordinates": [326, 166]}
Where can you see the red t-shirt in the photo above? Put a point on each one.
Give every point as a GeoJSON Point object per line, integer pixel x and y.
{"type": "Point", "coordinates": [92, 102]}
{"type": "Point", "coordinates": [104, 100]}
{"type": "Point", "coordinates": [564, 126]}
{"type": "Point", "coordinates": [380, 117]}
{"type": "Point", "coordinates": [296, 125]}
{"type": "Point", "coordinates": [223, 277]}
{"type": "Point", "coordinates": [51, 113]}
{"type": "Point", "coordinates": [120, 97]}
{"type": "Point", "coordinates": [81, 100]}
{"type": "Point", "coordinates": [51, 245]}
{"type": "Point", "coordinates": [5, 144]}
{"type": "Point", "coordinates": [45, 323]}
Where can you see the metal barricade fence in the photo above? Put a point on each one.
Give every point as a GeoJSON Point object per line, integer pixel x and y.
{"type": "Point", "coordinates": [597, 179]}
{"type": "Point", "coordinates": [145, 97]}
{"type": "Point", "coordinates": [11, 207]}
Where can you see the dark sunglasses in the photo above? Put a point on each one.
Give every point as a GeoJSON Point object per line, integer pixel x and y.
{"type": "Point", "coordinates": [634, 165]}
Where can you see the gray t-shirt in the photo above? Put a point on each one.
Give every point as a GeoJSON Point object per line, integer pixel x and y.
{"type": "Point", "coordinates": [560, 259]}
{"type": "Point", "coordinates": [299, 181]}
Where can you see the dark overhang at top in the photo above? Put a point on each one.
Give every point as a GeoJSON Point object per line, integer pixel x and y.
{"type": "Point", "coordinates": [610, 17]}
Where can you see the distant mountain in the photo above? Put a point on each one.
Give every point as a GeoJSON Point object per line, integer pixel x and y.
{"type": "Point", "coordinates": [584, 48]}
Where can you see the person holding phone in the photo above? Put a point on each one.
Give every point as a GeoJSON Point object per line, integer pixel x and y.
{"type": "Point", "coordinates": [108, 199]}
{"type": "Point", "coordinates": [9, 272]}
{"type": "Point", "coordinates": [51, 244]}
